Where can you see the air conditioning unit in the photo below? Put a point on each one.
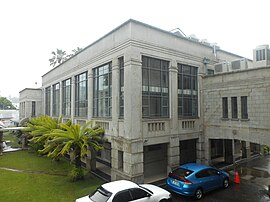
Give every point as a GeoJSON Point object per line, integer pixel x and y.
{"type": "Point", "coordinates": [221, 67]}
{"type": "Point", "coordinates": [239, 64]}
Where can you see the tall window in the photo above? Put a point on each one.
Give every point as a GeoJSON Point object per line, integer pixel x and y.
{"type": "Point", "coordinates": [48, 101]}
{"type": "Point", "coordinates": [187, 91]}
{"type": "Point", "coordinates": [121, 93]}
{"type": "Point", "coordinates": [234, 107]}
{"type": "Point", "coordinates": [66, 97]}
{"type": "Point", "coordinates": [81, 104]}
{"type": "Point", "coordinates": [56, 99]}
{"type": "Point", "coordinates": [102, 93]}
{"type": "Point", "coordinates": [225, 107]}
{"type": "Point", "coordinates": [260, 55]}
{"type": "Point", "coordinates": [155, 87]}
{"type": "Point", "coordinates": [244, 107]}
{"type": "Point", "coordinates": [33, 113]}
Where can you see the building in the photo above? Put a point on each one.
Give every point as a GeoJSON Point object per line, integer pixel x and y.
{"type": "Point", "coordinates": [30, 103]}
{"type": "Point", "coordinates": [151, 91]}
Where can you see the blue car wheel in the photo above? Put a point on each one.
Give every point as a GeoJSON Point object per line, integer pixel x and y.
{"type": "Point", "coordinates": [199, 193]}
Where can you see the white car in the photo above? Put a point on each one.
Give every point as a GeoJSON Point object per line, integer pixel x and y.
{"type": "Point", "coordinates": [124, 191]}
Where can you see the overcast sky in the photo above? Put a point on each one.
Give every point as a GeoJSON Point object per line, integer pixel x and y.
{"type": "Point", "coordinates": [32, 29]}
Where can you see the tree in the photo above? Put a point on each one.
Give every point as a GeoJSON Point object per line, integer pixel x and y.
{"type": "Point", "coordinates": [66, 138]}
{"type": "Point", "coordinates": [58, 57]}
{"type": "Point", "coordinates": [6, 104]}
{"type": "Point", "coordinates": [61, 56]}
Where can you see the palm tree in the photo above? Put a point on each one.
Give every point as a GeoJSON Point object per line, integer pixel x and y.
{"type": "Point", "coordinates": [74, 139]}
{"type": "Point", "coordinates": [39, 128]}
{"type": "Point", "coordinates": [58, 57]}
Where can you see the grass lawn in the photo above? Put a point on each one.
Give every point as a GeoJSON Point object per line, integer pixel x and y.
{"type": "Point", "coordinates": [26, 187]}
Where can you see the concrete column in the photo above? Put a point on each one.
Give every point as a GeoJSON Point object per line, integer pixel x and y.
{"type": "Point", "coordinates": [173, 97]}
{"type": "Point", "coordinates": [131, 167]}
{"type": "Point", "coordinates": [200, 150]}
{"type": "Point", "coordinates": [207, 152]}
{"type": "Point", "coordinates": [90, 94]}
{"type": "Point", "coordinates": [60, 98]}
{"type": "Point", "coordinates": [115, 96]}
{"type": "Point", "coordinates": [1, 142]}
{"type": "Point", "coordinates": [173, 153]}
{"type": "Point", "coordinates": [246, 149]}
{"type": "Point", "coordinates": [91, 160]}
{"type": "Point", "coordinates": [133, 94]}
{"type": "Point", "coordinates": [72, 111]}
{"type": "Point", "coordinates": [51, 101]}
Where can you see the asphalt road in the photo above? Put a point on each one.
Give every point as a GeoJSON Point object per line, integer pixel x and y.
{"type": "Point", "coordinates": [243, 192]}
{"type": "Point", "coordinates": [253, 187]}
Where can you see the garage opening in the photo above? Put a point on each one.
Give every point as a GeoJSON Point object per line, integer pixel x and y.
{"type": "Point", "coordinates": [188, 151]}
{"type": "Point", "coordinates": [155, 162]}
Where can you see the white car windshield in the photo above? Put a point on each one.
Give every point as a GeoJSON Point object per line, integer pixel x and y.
{"type": "Point", "coordinates": [100, 195]}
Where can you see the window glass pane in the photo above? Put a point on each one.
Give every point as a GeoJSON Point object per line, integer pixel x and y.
{"type": "Point", "coordinates": [155, 87]}
{"type": "Point", "coordinates": [234, 107]}
{"type": "Point", "coordinates": [187, 91]}
{"type": "Point", "coordinates": [102, 91]}
{"type": "Point", "coordinates": [244, 107]}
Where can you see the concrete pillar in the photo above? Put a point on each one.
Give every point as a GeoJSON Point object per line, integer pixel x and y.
{"type": "Point", "coordinates": [207, 152]}
{"type": "Point", "coordinates": [60, 98]}
{"type": "Point", "coordinates": [173, 153]}
{"type": "Point", "coordinates": [200, 149]}
{"type": "Point", "coordinates": [133, 94]}
{"type": "Point", "coordinates": [127, 160]}
{"type": "Point", "coordinates": [72, 110]}
{"type": "Point", "coordinates": [91, 160]}
{"type": "Point", "coordinates": [246, 149]}
{"type": "Point", "coordinates": [1, 142]}
{"type": "Point", "coordinates": [173, 97]}
{"type": "Point", "coordinates": [115, 97]}
{"type": "Point", "coordinates": [90, 94]}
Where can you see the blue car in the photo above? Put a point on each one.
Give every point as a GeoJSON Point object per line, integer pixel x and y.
{"type": "Point", "coordinates": [193, 179]}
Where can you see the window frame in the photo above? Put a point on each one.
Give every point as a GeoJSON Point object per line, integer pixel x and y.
{"type": "Point", "coordinates": [187, 91]}
{"type": "Point", "coordinates": [244, 107]}
{"type": "Point", "coordinates": [81, 95]}
{"type": "Point", "coordinates": [102, 96]}
{"type": "Point", "coordinates": [155, 87]}
{"type": "Point", "coordinates": [234, 108]}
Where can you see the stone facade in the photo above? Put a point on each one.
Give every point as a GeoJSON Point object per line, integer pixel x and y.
{"type": "Point", "coordinates": [30, 103]}
{"type": "Point", "coordinates": [139, 145]}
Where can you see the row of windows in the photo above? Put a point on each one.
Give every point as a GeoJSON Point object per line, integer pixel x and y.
{"type": "Point", "coordinates": [234, 108]}
{"type": "Point", "coordinates": [155, 91]}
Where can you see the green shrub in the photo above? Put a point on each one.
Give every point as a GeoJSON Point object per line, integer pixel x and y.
{"type": "Point", "coordinates": [266, 149]}
{"type": "Point", "coordinates": [76, 174]}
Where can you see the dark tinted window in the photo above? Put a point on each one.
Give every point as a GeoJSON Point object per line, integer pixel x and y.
{"type": "Point", "coordinates": [212, 172]}
{"type": "Point", "coordinates": [180, 173]}
{"type": "Point", "coordinates": [138, 193]}
{"type": "Point", "coordinates": [123, 196]}
{"type": "Point", "coordinates": [206, 173]}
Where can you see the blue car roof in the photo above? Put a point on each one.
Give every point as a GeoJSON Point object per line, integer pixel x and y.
{"type": "Point", "coordinates": [194, 166]}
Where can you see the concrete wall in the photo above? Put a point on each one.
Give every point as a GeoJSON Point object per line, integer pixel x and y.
{"type": "Point", "coordinates": [27, 96]}
{"type": "Point", "coordinates": [253, 83]}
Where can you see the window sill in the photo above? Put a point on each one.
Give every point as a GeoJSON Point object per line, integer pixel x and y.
{"type": "Point", "coordinates": [245, 119]}
{"type": "Point", "coordinates": [235, 119]}
{"type": "Point", "coordinates": [225, 119]}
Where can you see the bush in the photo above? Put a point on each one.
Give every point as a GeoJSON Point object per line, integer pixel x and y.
{"type": "Point", "coordinates": [266, 149]}
{"type": "Point", "coordinates": [76, 174]}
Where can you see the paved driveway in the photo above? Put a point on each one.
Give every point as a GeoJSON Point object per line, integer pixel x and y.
{"type": "Point", "coordinates": [253, 187]}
